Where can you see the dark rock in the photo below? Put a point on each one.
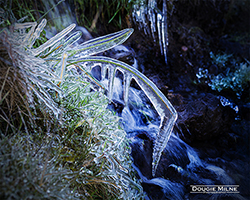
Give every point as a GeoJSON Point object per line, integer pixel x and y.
{"type": "Point", "coordinates": [117, 106]}
{"type": "Point", "coordinates": [122, 53]}
{"type": "Point", "coordinates": [159, 188]}
{"type": "Point", "coordinates": [180, 175]}
{"type": "Point", "coordinates": [205, 117]}
{"type": "Point", "coordinates": [245, 111]}
{"type": "Point", "coordinates": [142, 150]}
{"type": "Point", "coordinates": [230, 47]}
{"type": "Point", "coordinates": [213, 69]}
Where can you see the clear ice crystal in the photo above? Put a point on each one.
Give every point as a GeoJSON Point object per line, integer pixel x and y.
{"type": "Point", "coordinates": [159, 24]}
{"type": "Point", "coordinates": [127, 79]}
{"type": "Point", "coordinates": [37, 33]}
{"type": "Point", "coordinates": [164, 28]}
{"type": "Point", "coordinates": [97, 45]}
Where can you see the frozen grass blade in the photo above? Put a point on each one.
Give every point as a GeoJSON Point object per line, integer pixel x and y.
{"type": "Point", "coordinates": [23, 37]}
{"type": "Point", "coordinates": [37, 33]}
{"type": "Point", "coordinates": [100, 44]}
{"type": "Point", "coordinates": [86, 122]}
{"type": "Point", "coordinates": [53, 40]}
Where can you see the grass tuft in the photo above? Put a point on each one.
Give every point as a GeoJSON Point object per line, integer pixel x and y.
{"type": "Point", "coordinates": [57, 141]}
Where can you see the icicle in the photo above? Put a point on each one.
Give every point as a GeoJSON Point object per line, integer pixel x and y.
{"type": "Point", "coordinates": [161, 104]}
{"type": "Point", "coordinates": [126, 85]}
{"type": "Point", "coordinates": [164, 30]}
{"type": "Point", "coordinates": [159, 20]}
{"type": "Point", "coordinates": [143, 11]}
{"type": "Point", "coordinates": [152, 6]}
{"type": "Point", "coordinates": [163, 136]}
{"type": "Point", "coordinates": [111, 78]}
{"type": "Point", "coordinates": [103, 72]}
{"type": "Point", "coordinates": [141, 14]}
{"type": "Point", "coordinates": [164, 108]}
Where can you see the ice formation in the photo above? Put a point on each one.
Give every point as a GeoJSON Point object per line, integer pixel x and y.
{"type": "Point", "coordinates": [60, 55]}
{"type": "Point", "coordinates": [164, 108]}
{"type": "Point", "coordinates": [145, 12]}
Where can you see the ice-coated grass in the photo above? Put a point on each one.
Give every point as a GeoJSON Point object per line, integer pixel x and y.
{"type": "Point", "coordinates": [58, 140]}
{"type": "Point", "coordinates": [82, 142]}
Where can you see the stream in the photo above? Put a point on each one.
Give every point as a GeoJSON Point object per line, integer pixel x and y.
{"type": "Point", "coordinates": [180, 167]}
{"type": "Point", "coordinates": [183, 169]}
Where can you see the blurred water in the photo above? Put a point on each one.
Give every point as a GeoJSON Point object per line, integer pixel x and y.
{"type": "Point", "coordinates": [184, 167]}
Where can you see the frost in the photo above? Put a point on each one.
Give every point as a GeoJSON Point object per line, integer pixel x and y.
{"type": "Point", "coordinates": [235, 76]}
{"type": "Point", "coordinates": [225, 102]}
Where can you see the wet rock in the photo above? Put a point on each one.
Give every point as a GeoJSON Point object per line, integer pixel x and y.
{"type": "Point", "coordinates": [245, 111]}
{"type": "Point", "coordinates": [174, 153]}
{"type": "Point", "coordinates": [230, 47]}
{"type": "Point", "coordinates": [159, 188]}
{"type": "Point", "coordinates": [122, 53]}
{"type": "Point", "coordinates": [117, 106]}
{"type": "Point", "coordinates": [142, 149]}
{"type": "Point", "coordinates": [180, 175]}
{"type": "Point", "coordinates": [204, 118]}
{"type": "Point", "coordinates": [208, 150]}
{"type": "Point", "coordinates": [213, 69]}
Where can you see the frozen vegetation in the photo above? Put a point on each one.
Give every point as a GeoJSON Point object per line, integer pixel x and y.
{"type": "Point", "coordinates": [57, 76]}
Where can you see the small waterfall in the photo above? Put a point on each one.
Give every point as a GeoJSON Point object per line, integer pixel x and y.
{"type": "Point", "coordinates": [164, 108]}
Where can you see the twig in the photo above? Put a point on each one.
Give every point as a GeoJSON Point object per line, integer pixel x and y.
{"type": "Point", "coordinates": [93, 25]}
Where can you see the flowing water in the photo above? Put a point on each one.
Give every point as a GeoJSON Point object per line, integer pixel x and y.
{"type": "Point", "coordinates": [181, 165]}
{"type": "Point", "coordinates": [184, 167]}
